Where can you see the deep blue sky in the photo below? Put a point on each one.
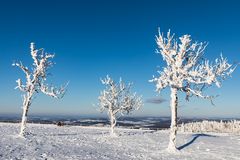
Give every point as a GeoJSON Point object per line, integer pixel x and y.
{"type": "Point", "coordinates": [93, 38]}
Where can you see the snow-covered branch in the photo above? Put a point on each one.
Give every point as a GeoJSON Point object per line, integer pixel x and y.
{"type": "Point", "coordinates": [23, 68]}
{"type": "Point", "coordinates": [53, 91]}
{"type": "Point", "coordinates": [20, 86]}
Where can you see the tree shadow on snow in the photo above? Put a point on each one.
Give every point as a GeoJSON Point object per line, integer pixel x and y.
{"type": "Point", "coordinates": [195, 137]}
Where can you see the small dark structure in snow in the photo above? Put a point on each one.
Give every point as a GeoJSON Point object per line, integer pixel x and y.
{"type": "Point", "coordinates": [60, 124]}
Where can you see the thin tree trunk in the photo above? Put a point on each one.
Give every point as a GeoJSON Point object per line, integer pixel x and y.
{"type": "Point", "coordinates": [173, 128]}
{"type": "Point", "coordinates": [112, 124]}
{"type": "Point", "coordinates": [26, 105]}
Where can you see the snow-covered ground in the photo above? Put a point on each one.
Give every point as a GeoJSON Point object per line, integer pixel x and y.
{"type": "Point", "coordinates": [93, 143]}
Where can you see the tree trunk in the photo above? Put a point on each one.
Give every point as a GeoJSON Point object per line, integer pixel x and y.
{"type": "Point", "coordinates": [26, 104]}
{"type": "Point", "coordinates": [113, 124]}
{"type": "Point", "coordinates": [173, 128]}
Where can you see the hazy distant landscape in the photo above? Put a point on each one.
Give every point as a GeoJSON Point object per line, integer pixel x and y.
{"type": "Point", "coordinates": [147, 122]}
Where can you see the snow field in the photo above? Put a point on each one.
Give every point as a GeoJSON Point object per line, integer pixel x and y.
{"type": "Point", "coordinates": [94, 143]}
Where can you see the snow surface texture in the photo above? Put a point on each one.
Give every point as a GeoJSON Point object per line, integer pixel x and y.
{"type": "Point", "coordinates": [93, 143]}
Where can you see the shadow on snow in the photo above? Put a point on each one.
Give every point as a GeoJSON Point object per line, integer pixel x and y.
{"type": "Point", "coordinates": [195, 137]}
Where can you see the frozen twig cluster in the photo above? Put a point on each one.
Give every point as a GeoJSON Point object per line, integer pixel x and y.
{"type": "Point", "coordinates": [187, 71]}
{"type": "Point", "coordinates": [232, 126]}
{"type": "Point", "coordinates": [36, 81]}
{"type": "Point", "coordinates": [118, 100]}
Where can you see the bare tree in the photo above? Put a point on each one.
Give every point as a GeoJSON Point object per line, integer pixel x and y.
{"type": "Point", "coordinates": [118, 100]}
{"type": "Point", "coordinates": [35, 81]}
{"type": "Point", "coordinates": [187, 72]}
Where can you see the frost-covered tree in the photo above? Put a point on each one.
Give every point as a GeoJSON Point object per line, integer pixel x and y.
{"type": "Point", "coordinates": [117, 100]}
{"type": "Point", "coordinates": [35, 81]}
{"type": "Point", "coordinates": [187, 72]}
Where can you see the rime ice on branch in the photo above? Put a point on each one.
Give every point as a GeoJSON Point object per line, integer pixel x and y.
{"type": "Point", "coordinates": [118, 100]}
{"type": "Point", "coordinates": [187, 72]}
{"type": "Point", "coordinates": [35, 81]}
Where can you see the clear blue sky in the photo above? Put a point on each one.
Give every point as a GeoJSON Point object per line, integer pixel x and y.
{"type": "Point", "coordinates": [93, 38]}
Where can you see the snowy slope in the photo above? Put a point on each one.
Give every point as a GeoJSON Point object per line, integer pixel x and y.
{"type": "Point", "coordinates": [92, 143]}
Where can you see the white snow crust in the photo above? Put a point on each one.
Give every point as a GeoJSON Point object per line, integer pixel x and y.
{"type": "Point", "coordinates": [94, 143]}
